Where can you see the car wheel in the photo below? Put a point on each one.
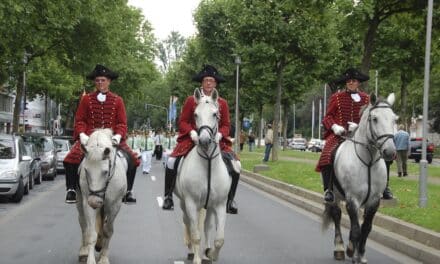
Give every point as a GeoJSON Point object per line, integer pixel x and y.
{"type": "Point", "coordinates": [31, 180]}
{"type": "Point", "coordinates": [16, 198]}
{"type": "Point", "coordinates": [429, 160]}
{"type": "Point", "coordinates": [26, 187]}
{"type": "Point", "coordinates": [39, 178]}
{"type": "Point", "coordinates": [417, 160]}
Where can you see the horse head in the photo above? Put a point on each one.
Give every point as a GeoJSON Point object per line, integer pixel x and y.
{"type": "Point", "coordinates": [381, 125]}
{"type": "Point", "coordinates": [206, 116]}
{"type": "Point", "coordinates": [98, 164]}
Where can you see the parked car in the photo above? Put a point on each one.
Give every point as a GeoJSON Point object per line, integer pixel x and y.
{"type": "Point", "coordinates": [298, 143]}
{"type": "Point", "coordinates": [62, 146]}
{"type": "Point", "coordinates": [35, 165]}
{"type": "Point", "coordinates": [48, 153]}
{"type": "Point", "coordinates": [416, 150]}
{"type": "Point", "coordinates": [14, 167]}
{"type": "Point", "coordinates": [315, 145]}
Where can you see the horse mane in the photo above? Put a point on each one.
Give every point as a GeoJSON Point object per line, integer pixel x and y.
{"type": "Point", "coordinates": [99, 141]}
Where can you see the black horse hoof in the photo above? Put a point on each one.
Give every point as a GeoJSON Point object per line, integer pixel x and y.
{"type": "Point", "coordinates": [82, 259]}
{"type": "Point", "coordinates": [190, 256]}
{"type": "Point", "coordinates": [339, 255]}
{"type": "Point", "coordinates": [206, 261]}
{"type": "Point", "coordinates": [207, 252]}
{"type": "Point", "coordinates": [349, 252]}
{"type": "Point", "coordinates": [98, 248]}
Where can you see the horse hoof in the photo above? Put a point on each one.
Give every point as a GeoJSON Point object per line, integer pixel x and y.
{"type": "Point", "coordinates": [190, 256]}
{"type": "Point", "coordinates": [206, 261]}
{"type": "Point", "coordinates": [207, 252]}
{"type": "Point", "coordinates": [339, 255]}
{"type": "Point", "coordinates": [349, 252]}
{"type": "Point", "coordinates": [98, 248]}
{"type": "Point", "coordinates": [82, 258]}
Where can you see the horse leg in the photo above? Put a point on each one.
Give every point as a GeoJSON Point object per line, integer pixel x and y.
{"type": "Point", "coordinates": [355, 231]}
{"type": "Point", "coordinates": [98, 227]}
{"type": "Point", "coordinates": [369, 214]}
{"type": "Point", "coordinates": [193, 215]}
{"type": "Point", "coordinates": [335, 212]}
{"type": "Point", "coordinates": [83, 252]}
{"type": "Point", "coordinates": [208, 227]}
{"type": "Point", "coordinates": [220, 222]}
{"type": "Point", "coordinates": [186, 230]}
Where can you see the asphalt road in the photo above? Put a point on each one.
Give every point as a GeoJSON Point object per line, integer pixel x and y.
{"type": "Point", "coordinates": [43, 229]}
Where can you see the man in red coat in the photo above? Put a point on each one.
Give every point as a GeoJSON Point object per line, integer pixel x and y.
{"type": "Point", "coordinates": [99, 109]}
{"type": "Point", "coordinates": [208, 77]}
{"type": "Point", "coordinates": [343, 114]}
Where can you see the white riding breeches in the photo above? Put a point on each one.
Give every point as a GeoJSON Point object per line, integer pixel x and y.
{"type": "Point", "coordinates": [146, 160]}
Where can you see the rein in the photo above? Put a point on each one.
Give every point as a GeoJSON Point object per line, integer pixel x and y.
{"type": "Point", "coordinates": [371, 144]}
{"type": "Point", "coordinates": [111, 171]}
{"type": "Point", "coordinates": [208, 156]}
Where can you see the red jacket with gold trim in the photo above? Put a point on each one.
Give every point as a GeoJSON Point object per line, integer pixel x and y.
{"type": "Point", "coordinates": [187, 123]}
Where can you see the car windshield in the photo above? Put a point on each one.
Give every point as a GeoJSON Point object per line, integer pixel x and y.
{"type": "Point", "coordinates": [61, 144]}
{"type": "Point", "coordinates": [7, 150]}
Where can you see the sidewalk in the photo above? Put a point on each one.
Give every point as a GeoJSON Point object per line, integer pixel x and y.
{"type": "Point", "coordinates": [414, 241]}
{"type": "Point", "coordinates": [432, 180]}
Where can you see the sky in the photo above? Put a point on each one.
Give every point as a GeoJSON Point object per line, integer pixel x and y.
{"type": "Point", "coordinates": [168, 15]}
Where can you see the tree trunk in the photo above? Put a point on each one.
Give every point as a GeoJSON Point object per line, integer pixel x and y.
{"type": "Point", "coordinates": [17, 104]}
{"type": "Point", "coordinates": [280, 68]}
{"type": "Point", "coordinates": [369, 39]}
{"type": "Point", "coordinates": [403, 100]}
{"type": "Point", "coordinates": [260, 131]}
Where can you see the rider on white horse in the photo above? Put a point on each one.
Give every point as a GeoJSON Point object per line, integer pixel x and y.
{"type": "Point", "coordinates": [208, 77]}
{"type": "Point", "coordinates": [99, 109]}
{"type": "Point", "coordinates": [343, 114]}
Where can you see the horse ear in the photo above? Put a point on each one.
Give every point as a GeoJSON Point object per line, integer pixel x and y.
{"type": "Point", "coordinates": [197, 95]}
{"type": "Point", "coordinates": [214, 95]}
{"type": "Point", "coordinates": [373, 98]}
{"type": "Point", "coordinates": [391, 98]}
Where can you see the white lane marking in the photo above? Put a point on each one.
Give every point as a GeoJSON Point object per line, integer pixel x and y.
{"type": "Point", "coordinates": [179, 262]}
{"type": "Point", "coordinates": [153, 178]}
{"type": "Point", "coordinates": [159, 201]}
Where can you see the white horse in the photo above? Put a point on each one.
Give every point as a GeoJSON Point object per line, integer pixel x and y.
{"type": "Point", "coordinates": [361, 174]}
{"type": "Point", "coordinates": [203, 183]}
{"type": "Point", "coordinates": [103, 184]}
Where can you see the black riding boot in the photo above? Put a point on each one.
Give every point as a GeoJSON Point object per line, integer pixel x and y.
{"type": "Point", "coordinates": [170, 180]}
{"type": "Point", "coordinates": [71, 181]}
{"type": "Point", "coordinates": [327, 179]}
{"type": "Point", "coordinates": [131, 173]}
{"type": "Point", "coordinates": [230, 208]}
{"type": "Point", "coordinates": [387, 194]}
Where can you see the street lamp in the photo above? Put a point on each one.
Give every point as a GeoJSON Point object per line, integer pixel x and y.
{"type": "Point", "coordinates": [237, 125]}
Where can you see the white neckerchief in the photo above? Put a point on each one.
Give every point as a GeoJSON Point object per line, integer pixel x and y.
{"type": "Point", "coordinates": [101, 97]}
{"type": "Point", "coordinates": [356, 97]}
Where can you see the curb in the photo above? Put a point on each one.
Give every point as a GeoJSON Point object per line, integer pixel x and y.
{"type": "Point", "coordinates": [409, 239]}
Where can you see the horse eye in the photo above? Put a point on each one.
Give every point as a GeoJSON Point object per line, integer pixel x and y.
{"type": "Point", "coordinates": [104, 172]}
{"type": "Point", "coordinates": [195, 115]}
{"type": "Point", "coordinates": [375, 118]}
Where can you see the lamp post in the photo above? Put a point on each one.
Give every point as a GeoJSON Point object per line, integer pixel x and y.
{"type": "Point", "coordinates": [237, 125]}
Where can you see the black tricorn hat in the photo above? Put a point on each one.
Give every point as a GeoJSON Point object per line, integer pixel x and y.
{"type": "Point", "coordinates": [210, 71]}
{"type": "Point", "coordinates": [351, 74]}
{"type": "Point", "coordinates": [102, 71]}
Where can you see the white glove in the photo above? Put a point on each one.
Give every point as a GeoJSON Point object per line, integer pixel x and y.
{"type": "Point", "coordinates": [352, 126]}
{"type": "Point", "coordinates": [337, 129]}
{"type": "Point", "coordinates": [218, 137]}
{"type": "Point", "coordinates": [116, 139]}
{"type": "Point", "coordinates": [194, 136]}
{"type": "Point", "coordinates": [83, 138]}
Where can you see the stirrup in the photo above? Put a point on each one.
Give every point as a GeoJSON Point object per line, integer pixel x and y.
{"type": "Point", "coordinates": [329, 196]}
{"type": "Point", "coordinates": [71, 196]}
{"type": "Point", "coordinates": [168, 203]}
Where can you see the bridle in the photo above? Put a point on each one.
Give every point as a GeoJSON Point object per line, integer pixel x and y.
{"type": "Point", "coordinates": [209, 156]}
{"type": "Point", "coordinates": [372, 143]}
{"type": "Point", "coordinates": [111, 171]}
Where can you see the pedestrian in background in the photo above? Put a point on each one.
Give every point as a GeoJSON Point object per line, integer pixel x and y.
{"type": "Point", "coordinates": [268, 141]}
{"type": "Point", "coordinates": [401, 140]}
{"type": "Point", "coordinates": [158, 141]}
{"type": "Point", "coordinates": [147, 154]}
{"type": "Point", "coordinates": [242, 139]}
{"type": "Point", "coordinates": [251, 141]}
